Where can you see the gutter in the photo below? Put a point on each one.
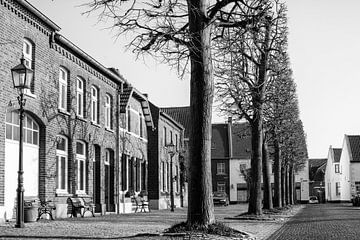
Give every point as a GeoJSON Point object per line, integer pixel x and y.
{"type": "Point", "coordinates": [38, 14]}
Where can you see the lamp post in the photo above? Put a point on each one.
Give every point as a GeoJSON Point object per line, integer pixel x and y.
{"type": "Point", "coordinates": [172, 151]}
{"type": "Point", "coordinates": [21, 76]}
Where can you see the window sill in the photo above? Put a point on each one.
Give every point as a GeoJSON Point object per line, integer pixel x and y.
{"type": "Point", "coordinates": [62, 194]}
{"type": "Point", "coordinates": [29, 94]}
{"type": "Point", "coordinates": [109, 130]}
{"type": "Point", "coordinates": [95, 124]}
{"type": "Point", "coordinates": [63, 112]}
{"type": "Point", "coordinates": [80, 118]}
{"type": "Point", "coordinates": [80, 193]}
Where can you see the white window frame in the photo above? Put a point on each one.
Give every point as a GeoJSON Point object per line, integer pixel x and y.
{"type": "Point", "coordinates": [337, 168]}
{"type": "Point", "coordinates": [80, 97]}
{"type": "Point", "coordinates": [108, 108]}
{"type": "Point", "coordinates": [64, 154]}
{"type": "Point", "coordinates": [94, 104]}
{"type": "Point", "coordinates": [220, 168]}
{"type": "Point", "coordinates": [81, 158]}
{"type": "Point", "coordinates": [28, 57]}
{"type": "Point", "coordinates": [63, 84]}
{"type": "Point", "coordinates": [107, 157]}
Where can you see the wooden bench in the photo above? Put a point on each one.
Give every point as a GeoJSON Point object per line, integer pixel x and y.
{"type": "Point", "coordinates": [45, 207]}
{"type": "Point", "coordinates": [140, 204]}
{"type": "Point", "coordinates": [79, 205]}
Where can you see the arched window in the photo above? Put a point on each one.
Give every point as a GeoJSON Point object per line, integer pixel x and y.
{"type": "Point", "coordinates": [94, 104]}
{"type": "Point", "coordinates": [63, 85]}
{"type": "Point", "coordinates": [31, 129]}
{"type": "Point", "coordinates": [28, 53]}
{"type": "Point", "coordinates": [108, 111]}
{"type": "Point", "coordinates": [61, 164]}
{"type": "Point", "coordinates": [81, 166]}
{"type": "Point", "coordinates": [80, 88]}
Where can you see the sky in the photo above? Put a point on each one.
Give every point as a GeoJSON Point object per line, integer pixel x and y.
{"type": "Point", "coordinates": [324, 48]}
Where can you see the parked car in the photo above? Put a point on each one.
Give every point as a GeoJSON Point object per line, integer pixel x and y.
{"type": "Point", "coordinates": [313, 199]}
{"type": "Point", "coordinates": [220, 198]}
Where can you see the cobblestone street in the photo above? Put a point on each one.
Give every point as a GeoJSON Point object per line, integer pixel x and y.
{"type": "Point", "coordinates": [130, 225]}
{"type": "Point", "coordinates": [322, 222]}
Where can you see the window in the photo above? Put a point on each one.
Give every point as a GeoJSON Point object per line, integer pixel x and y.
{"type": "Point", "coordinates": [28, 53]}
{"type": "Point", "coordinates": [31, 129]}
{"type": "Point", "coordinates": [337, 168]}
{"type": "Point", "coordinates": [81, 166]}
{"type": "Point", "coordinates": [337, 186]}
{"type": "Point", "coordinates": [177, 178]}
{"type": "Point", "coordinates": [80, 97]}
{"type": "Point", "coordinates": [357, 187]}
{"type": "Point", "coordinates": [176, 142]}
{"type": "Point", "coordinates": [141, 125]}
{"type": "Point", "coordinates": [220, 187]}
{"type": "Point", "coordinates": [63, 85]}
{"type": "Point", "coordinates": [61, 164]}
{"type": "Point", "coordinates": [171, 137]}
{"type": "Point", "coordinates": [108, 111]}
{"type": "Point", "coordinates": [124, 165]}
{"type": "Point", "coordinates": [220, 168]}
{"type": "Point", "coordinates": [129, 119]}
{"type": "Point", "coordinates": [94, 105]}
{"type": "Point", "coordinates": [164, 136]}
{"type": "Point", "coordinates": [163, 176]}
{"type": "Point", "coordinates": [167, 176]}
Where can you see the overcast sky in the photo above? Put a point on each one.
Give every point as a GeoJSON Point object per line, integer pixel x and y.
{"type": "Point", "coordinates": [324, 46]}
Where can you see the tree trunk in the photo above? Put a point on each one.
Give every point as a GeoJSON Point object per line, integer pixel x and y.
{"type": "Point", "coordinates": [268, 203]}
{"type": "Point", "coordinates": [255, 198]}
{"type": "Point", "coordinates": [201, 208]}
{"type": "Point", "coordinates": [277, 174]}
{"type": "Point", "coordinates": [256, 129]}
{"type": "Point", "coordinates": [291, 185]}
{"type": "Point", "coordinates": [283, 185]}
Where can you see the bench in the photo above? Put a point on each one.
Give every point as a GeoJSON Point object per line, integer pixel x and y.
{"type": "Point", "coordinates": [45, 207]}
{"type": "Point", "coordinates": [140, 204]}
{"type": "Point", "coordinates": [79, 205]}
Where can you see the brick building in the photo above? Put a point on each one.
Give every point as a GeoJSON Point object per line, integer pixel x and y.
{"type": "Point", "coordinates": [166, 130]}
{"type": "Point", "coordinates": [85, 126]}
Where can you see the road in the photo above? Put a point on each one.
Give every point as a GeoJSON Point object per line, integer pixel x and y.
{"type": "Point", "coordinates": [322, 222]}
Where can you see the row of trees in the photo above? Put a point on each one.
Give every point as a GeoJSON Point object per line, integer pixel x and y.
{"type": "Point", "coordinates": [254, 82]}
{"type": "Point", "coordinates": [250, 54]}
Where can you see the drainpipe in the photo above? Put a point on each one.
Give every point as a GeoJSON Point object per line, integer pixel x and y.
{"type": "Point", "coordinates": [117, 165]}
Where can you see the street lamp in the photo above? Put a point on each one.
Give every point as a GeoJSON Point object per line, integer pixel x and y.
{"type": "Point", "coordinates": [172, 151]}
{"type": "Point", "coordinates": [21, 76]}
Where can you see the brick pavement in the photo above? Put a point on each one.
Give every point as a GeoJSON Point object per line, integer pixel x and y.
{"type": "Point", "coordinates": [126, 225]}
{"type": "Point", "coordinates": [322, 222]}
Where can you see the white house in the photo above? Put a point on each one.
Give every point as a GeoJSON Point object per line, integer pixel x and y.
{"type": "Point", "coordinates": [333, 175]}
{"type": "Point", "coordinates": [349, 167]}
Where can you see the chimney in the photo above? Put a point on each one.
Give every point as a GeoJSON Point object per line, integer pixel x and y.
{"type": "Point", "coordinates": [230, 137]}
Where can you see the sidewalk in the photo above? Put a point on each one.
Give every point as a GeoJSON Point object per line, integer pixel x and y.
{"type": "Point", "coordinates": [129, 225]}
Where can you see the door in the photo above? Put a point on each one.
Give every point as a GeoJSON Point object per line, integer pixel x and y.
{"type": "Point", "coordinates": [30, 159]}
{"type": "Point", "coordinates": [97, 178]}
{"type": "Point", "coordinates": [109, 181]}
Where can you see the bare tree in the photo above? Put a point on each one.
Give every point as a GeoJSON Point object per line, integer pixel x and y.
{"type": "Point", "coordinates": [246, 59]}
{"type": "Point", "coordinates": [179, 33]}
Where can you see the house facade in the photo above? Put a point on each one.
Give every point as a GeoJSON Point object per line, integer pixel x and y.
{"type": "Point", "coordinates": [349, 168]}
{"type": "Point", "coordinates": [333, 175]}
{"type": "Point", "coordinates": [85, 127]}
{"type": "Point", "coordinates": [317, 168]}
{"type": "Point", "coordinates": [163, 163]}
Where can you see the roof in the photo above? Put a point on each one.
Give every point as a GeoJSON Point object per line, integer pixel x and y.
{"type": "Point", "coordinates": [181, 115]}
{"type": "Point", "coordinates": [241, 137]}
{"type": "Point", "coordinates": [317, 162]}
{"type": "Point", "coordinates": [219, 141]}
{"type": "Point", "coordinates": [354, 147]}
{"type": "Point", "coordinates": [241, 141]}
{"type": "Point", "coordinates": [337, 154]}
{"type": "Point", "coordinates": [38, 14]}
